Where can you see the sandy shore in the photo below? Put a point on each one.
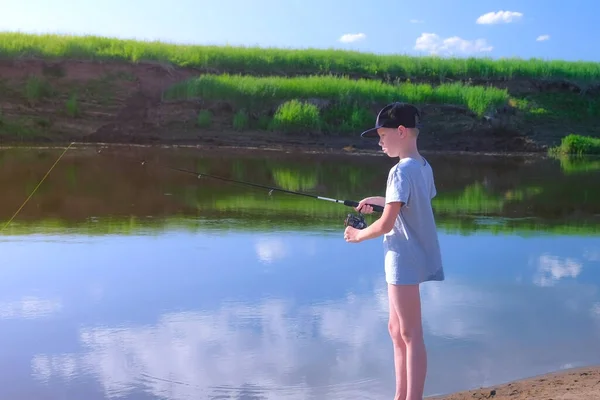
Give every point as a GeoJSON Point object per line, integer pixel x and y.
{"type": "Point", "coordinates": [572, 384]}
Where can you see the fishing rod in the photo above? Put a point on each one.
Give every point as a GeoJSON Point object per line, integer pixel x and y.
{"type": "Point", "coordinates": [352, 220]}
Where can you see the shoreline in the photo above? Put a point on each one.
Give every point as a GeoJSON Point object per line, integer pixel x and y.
{"type": "Point", "coordinates": [279, 148]}
{"type": "Point", "coordinates": [578, 383]}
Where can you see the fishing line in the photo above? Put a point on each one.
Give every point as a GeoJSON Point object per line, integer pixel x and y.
{"type": "Point", "coordinates": [36, 188]}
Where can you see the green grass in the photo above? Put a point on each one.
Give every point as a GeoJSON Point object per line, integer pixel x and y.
{"type": "Point", "coordinates": [258, 93]}
{"type": "Point", "coordinates": [204, 119]}
{"type": "Point", "coordinates": [272, 61]}
{"type": "Point", "coordinates": [552, 108]}
{"type": "Point", "coordinates": [36, 89]}
{"type": "Point", "coordinates": [241, 120]}
{"type": "Point", "coordinates": [578, 145]}
{"type": "Point", "coordinates": [72, 106]}
{"type": "Point", "coordinates": [296, 117]}
{"type": "Point", "coordinates": [21, 128]}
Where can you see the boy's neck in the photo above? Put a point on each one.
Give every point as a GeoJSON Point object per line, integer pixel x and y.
{"type": "Point", "coordinates": [409, 151]}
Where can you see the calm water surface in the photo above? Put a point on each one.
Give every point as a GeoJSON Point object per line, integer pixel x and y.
{"type": "Point", "coordinates": [123, 281]}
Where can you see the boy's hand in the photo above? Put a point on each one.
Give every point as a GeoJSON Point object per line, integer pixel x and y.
{"type": "Point", "coordinates": [363, 207]}
{"type": "Point", "coordinates": [352, 235]}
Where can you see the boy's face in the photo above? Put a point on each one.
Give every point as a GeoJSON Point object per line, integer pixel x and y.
{"type": "Point", "coordinates": [391, 140]}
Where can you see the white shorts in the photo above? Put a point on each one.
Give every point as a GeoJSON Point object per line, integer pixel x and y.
{"type": "Point", "coordinates": [403, 273]}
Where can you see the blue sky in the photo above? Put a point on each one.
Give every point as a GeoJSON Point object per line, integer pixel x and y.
{"type": "Point", "coordinates": [380, 26]}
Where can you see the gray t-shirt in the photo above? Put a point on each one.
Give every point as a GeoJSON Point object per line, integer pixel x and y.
{"type": "Point", "coordinates": [412, 250]}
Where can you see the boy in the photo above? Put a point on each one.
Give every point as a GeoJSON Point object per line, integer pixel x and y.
{"type": "Point", "coordinates": [411, 248]}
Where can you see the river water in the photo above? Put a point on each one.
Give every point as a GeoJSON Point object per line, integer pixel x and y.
{"type": "Point", "coordinates": [127, 281]}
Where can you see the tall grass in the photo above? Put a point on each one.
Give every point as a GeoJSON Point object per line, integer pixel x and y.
{"type": "Point", "coordinates": [256, 93]}
{"type": "Point", "coordinates": [559, 107]}
{"type": "Point", "coordinates": [273, 61]}
{"type": "Point", "coordinates": [294, 116]}
{"type": "Point", "coordinates": [577, 145]}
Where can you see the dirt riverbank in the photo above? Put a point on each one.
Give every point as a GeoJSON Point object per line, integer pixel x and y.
{"type": "Point", "coordinates": [44, 102]}
{"type": "Point", "coordinates": [573, 384]}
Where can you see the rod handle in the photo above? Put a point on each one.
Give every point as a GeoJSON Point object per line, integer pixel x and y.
{"type": "Point", "coordinates": [351, 203]}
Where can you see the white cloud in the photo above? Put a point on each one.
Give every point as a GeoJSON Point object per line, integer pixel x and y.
{"type": "Point", "coordinates": [551, 269]}
{"type": "Point", "coordinates": [29, 308]}
{"type": "Point", "coordinates": [269, 250]}
{"type": "Point", "coordinates": [596, 310]}
{"type": "Point", "coordinates": [434, 44]}
{"type": "Point", "coordinates": [191, 355]}
{"type": "Point", "coordinates": [416, 21]}
{"type": "Point", "coordinates": [542, 38]}
{"type": "Point", "coordinates": [500, 17]}
{"type": "Point", "coordinates": [352, 37]}
{"type": "Point", "coordinates": [465, 320]}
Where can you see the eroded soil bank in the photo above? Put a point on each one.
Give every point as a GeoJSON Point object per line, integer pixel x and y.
{"type": "Point", "coordinates": [47, 102]}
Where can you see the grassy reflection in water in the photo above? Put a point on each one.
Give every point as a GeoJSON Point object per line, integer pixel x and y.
{"type": "Point", "coordinates": [522, 199]}
{"type": "Point", "coordinates": [473, 210]}
{"type": "Point", "coordinates": [571, 164]}
{"type": "Point", "coordinates": [289, 179]}
{"type": "Point", "coordinates": [242, 214]}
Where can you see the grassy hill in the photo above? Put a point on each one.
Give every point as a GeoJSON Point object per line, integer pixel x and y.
{"type": "Point", "coordinates": [62, 88]}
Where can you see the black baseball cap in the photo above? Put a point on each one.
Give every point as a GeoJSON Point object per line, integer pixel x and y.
{"type": "Point", "coordinates": [392, 116]}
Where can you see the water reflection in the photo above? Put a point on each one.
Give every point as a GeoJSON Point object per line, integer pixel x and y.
{"type": "Point", "coordinates": [269, 346]}
{"type": "Point", "coordinates": [218, 324]}
{"type": "Point", "coordinates": [111, 289]}
{"type": "Point", "coordinates": [111, 192]}
{"type": "Point", "coordinates": [551, 269]}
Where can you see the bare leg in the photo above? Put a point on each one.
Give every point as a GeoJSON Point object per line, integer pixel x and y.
{"type": "Point", "coordinates": [406, 301]}
{"type": "Point", "coordinates": [399, 352]}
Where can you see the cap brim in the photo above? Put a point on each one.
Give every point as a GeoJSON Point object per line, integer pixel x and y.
{"type": "Point", "coordinates": [371, 133]}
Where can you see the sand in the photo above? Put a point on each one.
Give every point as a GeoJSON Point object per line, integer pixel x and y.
{"type": "Point", "coordinates": [572, 384]}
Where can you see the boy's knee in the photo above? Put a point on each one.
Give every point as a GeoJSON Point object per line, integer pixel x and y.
{"type": "Point", "coordinates": [394, 328]}
{"type": "Point", "coordinates": [411, 335]}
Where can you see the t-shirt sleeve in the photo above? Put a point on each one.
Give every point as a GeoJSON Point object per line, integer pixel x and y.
{"type": "Point", "coordinates": [433, 190]}
{"type": "Point", "coordinates": [398, 187]}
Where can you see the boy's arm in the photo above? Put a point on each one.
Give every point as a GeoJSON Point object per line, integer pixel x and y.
{"type": "Point", "coordinates": [384, 224]}
{"type": "Point", "coordinates": [396, 196]}
{"type": "Point", "coordinates": [378, 201]}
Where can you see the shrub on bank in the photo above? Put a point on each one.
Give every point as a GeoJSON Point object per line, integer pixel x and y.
{"type": "Point", "coordinates": [577, 144]}
{"type": "Point", "coordinates": [204, 119]}
{"type": "Point", "coordinates": [240, 120]}
{"type": "Point", "coordinates": [295, 116]}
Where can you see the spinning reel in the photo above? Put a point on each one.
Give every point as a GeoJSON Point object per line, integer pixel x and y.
{"type": "Point", "coordinates": [356, 221]}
